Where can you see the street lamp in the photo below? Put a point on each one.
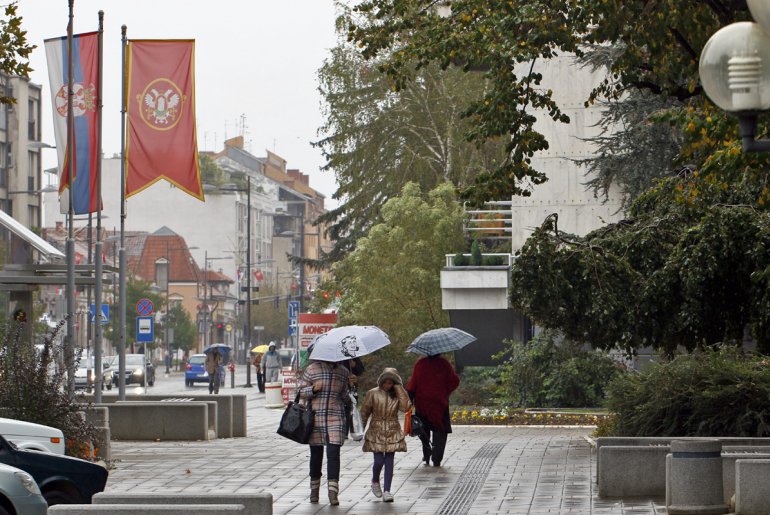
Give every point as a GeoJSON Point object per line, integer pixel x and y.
{"type": "Point", "coordinates": [734, 69]}
{"type": "Point", "coordinates": [247, 336]}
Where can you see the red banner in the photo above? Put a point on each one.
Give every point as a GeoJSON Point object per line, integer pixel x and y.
{"type": "Point", "coordinates": [161, 141]}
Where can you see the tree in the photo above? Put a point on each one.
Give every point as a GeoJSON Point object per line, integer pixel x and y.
{"type": "Point", "coordinates": [655, 49]}
{"type": "Point", "coordinates": [270, 313]}
{"type": "Point", "coordinates": [391, 280]}
{"type": "Point", "coordinates": [14, 48]}
{"type": "Point", "coordinates": [211, 173]}
{"type": "Point", "coordinates": [375, 140]}
{"type": "Point", "coordinates": [184, 328]}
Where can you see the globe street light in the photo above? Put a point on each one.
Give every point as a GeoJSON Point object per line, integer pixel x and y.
{"type": "Point", "coordinates": [734, 69]}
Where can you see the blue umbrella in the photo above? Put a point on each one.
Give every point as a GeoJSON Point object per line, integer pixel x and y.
{"type": "Point", "coordinates": [223, 349]}
{"type": "Point", "coordinates": [439, 341]}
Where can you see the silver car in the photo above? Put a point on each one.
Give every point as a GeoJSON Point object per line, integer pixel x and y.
{"type": "Point", "coordinates": [84, 374]}
{"type": "Point", "coordinates": [19, 490]}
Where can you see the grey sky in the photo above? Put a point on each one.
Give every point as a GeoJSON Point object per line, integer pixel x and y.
{"type": "Point", "coordinates": [256, 58]}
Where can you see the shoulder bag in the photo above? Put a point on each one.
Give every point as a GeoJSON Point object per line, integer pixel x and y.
{"type": "Point", "coordinates": [297, 422]}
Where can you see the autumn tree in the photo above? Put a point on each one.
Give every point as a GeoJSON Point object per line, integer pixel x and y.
{"type": "Point", "coordinates": [14, 47]}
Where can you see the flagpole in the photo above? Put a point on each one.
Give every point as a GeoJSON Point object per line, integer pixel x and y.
{"type": "Point", "coordinates": [122, 251]}
{"type": "Point", "coordinates": [98, 372]}
{"type": "Point", "coordinates": [69, 346]}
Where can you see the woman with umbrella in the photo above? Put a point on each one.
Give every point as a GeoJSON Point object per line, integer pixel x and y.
{"type": "Point", "coordinates": [433, 381]}
{"type": "Point", "coordinates": [325, 386]}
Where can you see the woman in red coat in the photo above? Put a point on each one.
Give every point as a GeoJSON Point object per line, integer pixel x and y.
{"type": "Point", "coordinates": [433, 381]}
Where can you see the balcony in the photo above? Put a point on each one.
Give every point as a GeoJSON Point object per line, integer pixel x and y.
{"type": "Point", "coordinates": [468, 287]}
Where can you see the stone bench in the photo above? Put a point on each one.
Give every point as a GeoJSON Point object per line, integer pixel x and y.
{"type": "Point", "coordinates": [255, 504]}
{"type": "Point", "coordinates": [730, 457]}
{"type": "Point", "coordinates": [134, 420]}
{"type": "Point", "coordinates": [149, 509]}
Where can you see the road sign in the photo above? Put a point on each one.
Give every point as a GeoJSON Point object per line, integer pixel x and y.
{"type": "Point", "coordinates": [228, 327]}
{"type": "Point", "coordinates": [145, 329]}
{"type": "Point", "coordinates": [105, 313]}
{"type": "Point", "coordinates": [144, 307]}
{"type": "Point", "coordinates": [293, 309]}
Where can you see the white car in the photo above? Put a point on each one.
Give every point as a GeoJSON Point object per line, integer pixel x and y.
{"type": "Point", "coordinates": [20, 493]}
{"type": "Point", "coordinates": [34, 437]}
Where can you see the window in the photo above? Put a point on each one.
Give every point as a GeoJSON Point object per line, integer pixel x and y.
{"type": "Point", "coordinates": [161, 273]}
{"type": "Point", "coordinates": [3, 168]}
{"type": "Point", "coordinates": [33, 163]}
{"type": "Point", "coordinates": [32, 120]}
{"type": "Point", "coordinates": [3, 116]}
{"type": "Point", "coordinates": [32, 220]}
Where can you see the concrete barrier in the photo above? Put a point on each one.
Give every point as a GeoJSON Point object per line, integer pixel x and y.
{"type": "Point", "coordinates": [148, 509]}
{"type": "Point", "coordinates": [632, 471]}
{"type": "Point", "coordinates": [100, 418]}
{"type": "Point", "coordinates": [752, 487]}
{"type": "Point", "coordinates": [240, 426]}
{"type": "Point", "coordinates": [732, 454]}
{"type": "Point", "coordinates": [255, 504]}
{"type": "Point", "coordinates": [159, 420]}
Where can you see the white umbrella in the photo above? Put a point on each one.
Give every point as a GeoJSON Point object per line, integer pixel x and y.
{"type": "Point", "coordinates": [348, 342]}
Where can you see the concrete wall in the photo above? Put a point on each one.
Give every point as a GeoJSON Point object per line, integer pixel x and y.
{"type": "Point", "coordinates": [491, 327]}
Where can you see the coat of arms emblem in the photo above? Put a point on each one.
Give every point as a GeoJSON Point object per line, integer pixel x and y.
{"type": "Point", "coordinates": [161, 104]}
{"type": "Point", "coordinates": [84, 99]}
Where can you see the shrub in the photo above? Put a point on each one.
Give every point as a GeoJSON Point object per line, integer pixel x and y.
{"type": "Point", "coordinates": [475, 253]}
{"type": "Point", "coordinates": [33, 389]}
{"type": "Point", "coordinates": [476, 387]}
{"type": "Point", "coordinates": [493, 260]}
{"type": "Point", "coordinates": [714, 392]}
{"type": "Point", "coordinates": [460, 260]}
{"type": "Point", "coordinates": [552, 372]}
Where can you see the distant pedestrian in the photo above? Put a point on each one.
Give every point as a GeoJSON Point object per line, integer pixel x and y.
{"type": "Point", "coordinates": [167, 360]}
{"type": "Point", "coordinates": [324, 386]}
{"type": "Point", "coordinates": [271, 364]}
{"type": "Point", "coordinates": [257, 362]}
{"type": "Point", "coordinates": [432, 382]}
{"type": "Point", "coordinates": [384, 437]}
{"type": "Point", "coordinates": [213, 364]}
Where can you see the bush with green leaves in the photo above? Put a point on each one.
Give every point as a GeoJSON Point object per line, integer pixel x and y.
{"type": "Point", "coordinates": [550, 371]}
{"type": "Point", "coordinates": [711, 392]}
{"type": "Point", "coordinates": [33, 388]}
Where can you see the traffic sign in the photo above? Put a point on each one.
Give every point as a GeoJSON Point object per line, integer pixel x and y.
{"type": "Point", "coordinates": [293, 309]}
{"type": "Point", "coordinates": [105, 313]}
{"type": "Point", "coordinates": [144, 307]}
{"type": "Point", "coordinates": [145, 329]}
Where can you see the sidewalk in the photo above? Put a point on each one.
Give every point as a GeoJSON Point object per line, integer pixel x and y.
{"type": "Point", "coordinates": [505, 470]}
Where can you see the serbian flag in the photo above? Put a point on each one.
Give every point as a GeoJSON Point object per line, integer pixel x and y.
{"type": "Point", "coordinates": [85, 56]}
{"type": "Point", "coordinates": [161, 141]}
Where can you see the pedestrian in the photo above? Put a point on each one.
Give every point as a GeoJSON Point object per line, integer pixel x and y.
{"type": "Point", "coordinates": [384, 437]}
{"type": "Point", "coordinates": [213, 362]}
{"type": "Point", "coordinates": [271, 364]}
{"type": "Point", "coordinates": [324, 386]}
{"type": "Point", "coordinates": [257, 361]}
{"type": "Point", "coordinates": [167, 360]}
{"type": "Point", "coordinates": [432, 382]}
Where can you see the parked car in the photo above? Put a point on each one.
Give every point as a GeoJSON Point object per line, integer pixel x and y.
{"type": "Point", "coordinates": [34, 437]}
{"type": "Point", "coordinates": [135, 370]}
{"type": "Point", "coordinates": [61, 479]}
{"type": "Point", "coordinates": [19, 494]}
{"type": "Point", "coordinates": [84, 375]}
{"type": "Point", "coordinates": [195, 371]}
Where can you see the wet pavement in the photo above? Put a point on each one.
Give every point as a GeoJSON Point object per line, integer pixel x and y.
{"type": "Point", "coordinates": [504, 470]}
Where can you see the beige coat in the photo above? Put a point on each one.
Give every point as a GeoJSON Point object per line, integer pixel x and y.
{"type": "Point", "coordinates": [384, 433]}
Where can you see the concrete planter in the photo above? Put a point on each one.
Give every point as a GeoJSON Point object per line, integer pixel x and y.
{"type": "Point", "coordinates": [475, 287]}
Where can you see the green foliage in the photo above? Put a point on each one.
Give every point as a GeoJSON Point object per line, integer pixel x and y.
{"type": "Point", "coordinates": [475, 253]}
{"type": "Point", "coordinates": [14, 47]}
{"type": "Point", "coordinates": [714, 392]}
{"type": "Point", "coordinates": [185, 331]}
{"type": "Point", "coordinates": [493, 261]}
{"type": "Point", "coordinates": [375, 139]}
{"type": "Point", "coordinates": [551, 372]}
{"type": "Point", "coordinates": [655, 48]}
{"type": "Point", "coordinates": [687, 268]}
{"type": "Point", "coordinates": [136, 289]}
{"type": "Point", "coordinates": [211, 173]}
{"type": "Point", "coordinates": [460, 259]}
{"type": "Point", "coordinates": [33, 388]}
{"type": "Point", "coordinates": [274, 320]}
{"type": "Point", "coordinates": [391, 280]}
{"type": "Point", "coordinates": [477, 385]}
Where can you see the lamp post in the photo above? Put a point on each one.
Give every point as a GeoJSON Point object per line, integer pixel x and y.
{"type": "Point", "coordinates": [734, 69]}
{"type": "Point", "coordinates": [247, 336]}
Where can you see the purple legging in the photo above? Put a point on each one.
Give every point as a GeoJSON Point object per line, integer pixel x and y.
{"type": "Point", "coordinates": [386, 459]}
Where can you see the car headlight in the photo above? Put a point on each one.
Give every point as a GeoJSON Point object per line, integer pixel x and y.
{"type": "Point", "coordinates": [139, 371]}
{"type": "Point", "coordinates": [28, 482]}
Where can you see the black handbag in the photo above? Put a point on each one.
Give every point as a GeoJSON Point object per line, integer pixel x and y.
{"type": "Point", "coordinates": [418, 426]}
{"type": "Point", "coordinates": [297, 422]}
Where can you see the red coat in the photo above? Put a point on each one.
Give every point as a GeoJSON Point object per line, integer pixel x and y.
{"type": "Point", "coordinates": [433, 381]}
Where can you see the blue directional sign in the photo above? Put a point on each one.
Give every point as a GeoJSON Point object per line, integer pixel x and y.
{"type": "Point", "coordinates": [105, 313]}
{"type": "Point", "coordinates": [145, 329]}
{"type": "Point", "coordinates": [293, 309]}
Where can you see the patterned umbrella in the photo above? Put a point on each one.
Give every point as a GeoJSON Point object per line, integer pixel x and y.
{"type": "Point", "coordinates": [439, 341]}
{"type": "Point", "coordinates": [348, 342]}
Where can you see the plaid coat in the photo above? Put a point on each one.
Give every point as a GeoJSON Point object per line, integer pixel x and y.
{"type": "Point", "coordinates": [329, 403]}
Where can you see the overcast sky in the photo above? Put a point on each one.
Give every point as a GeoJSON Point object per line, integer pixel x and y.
{"type": "Point", "coordinates": [254, 58]}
